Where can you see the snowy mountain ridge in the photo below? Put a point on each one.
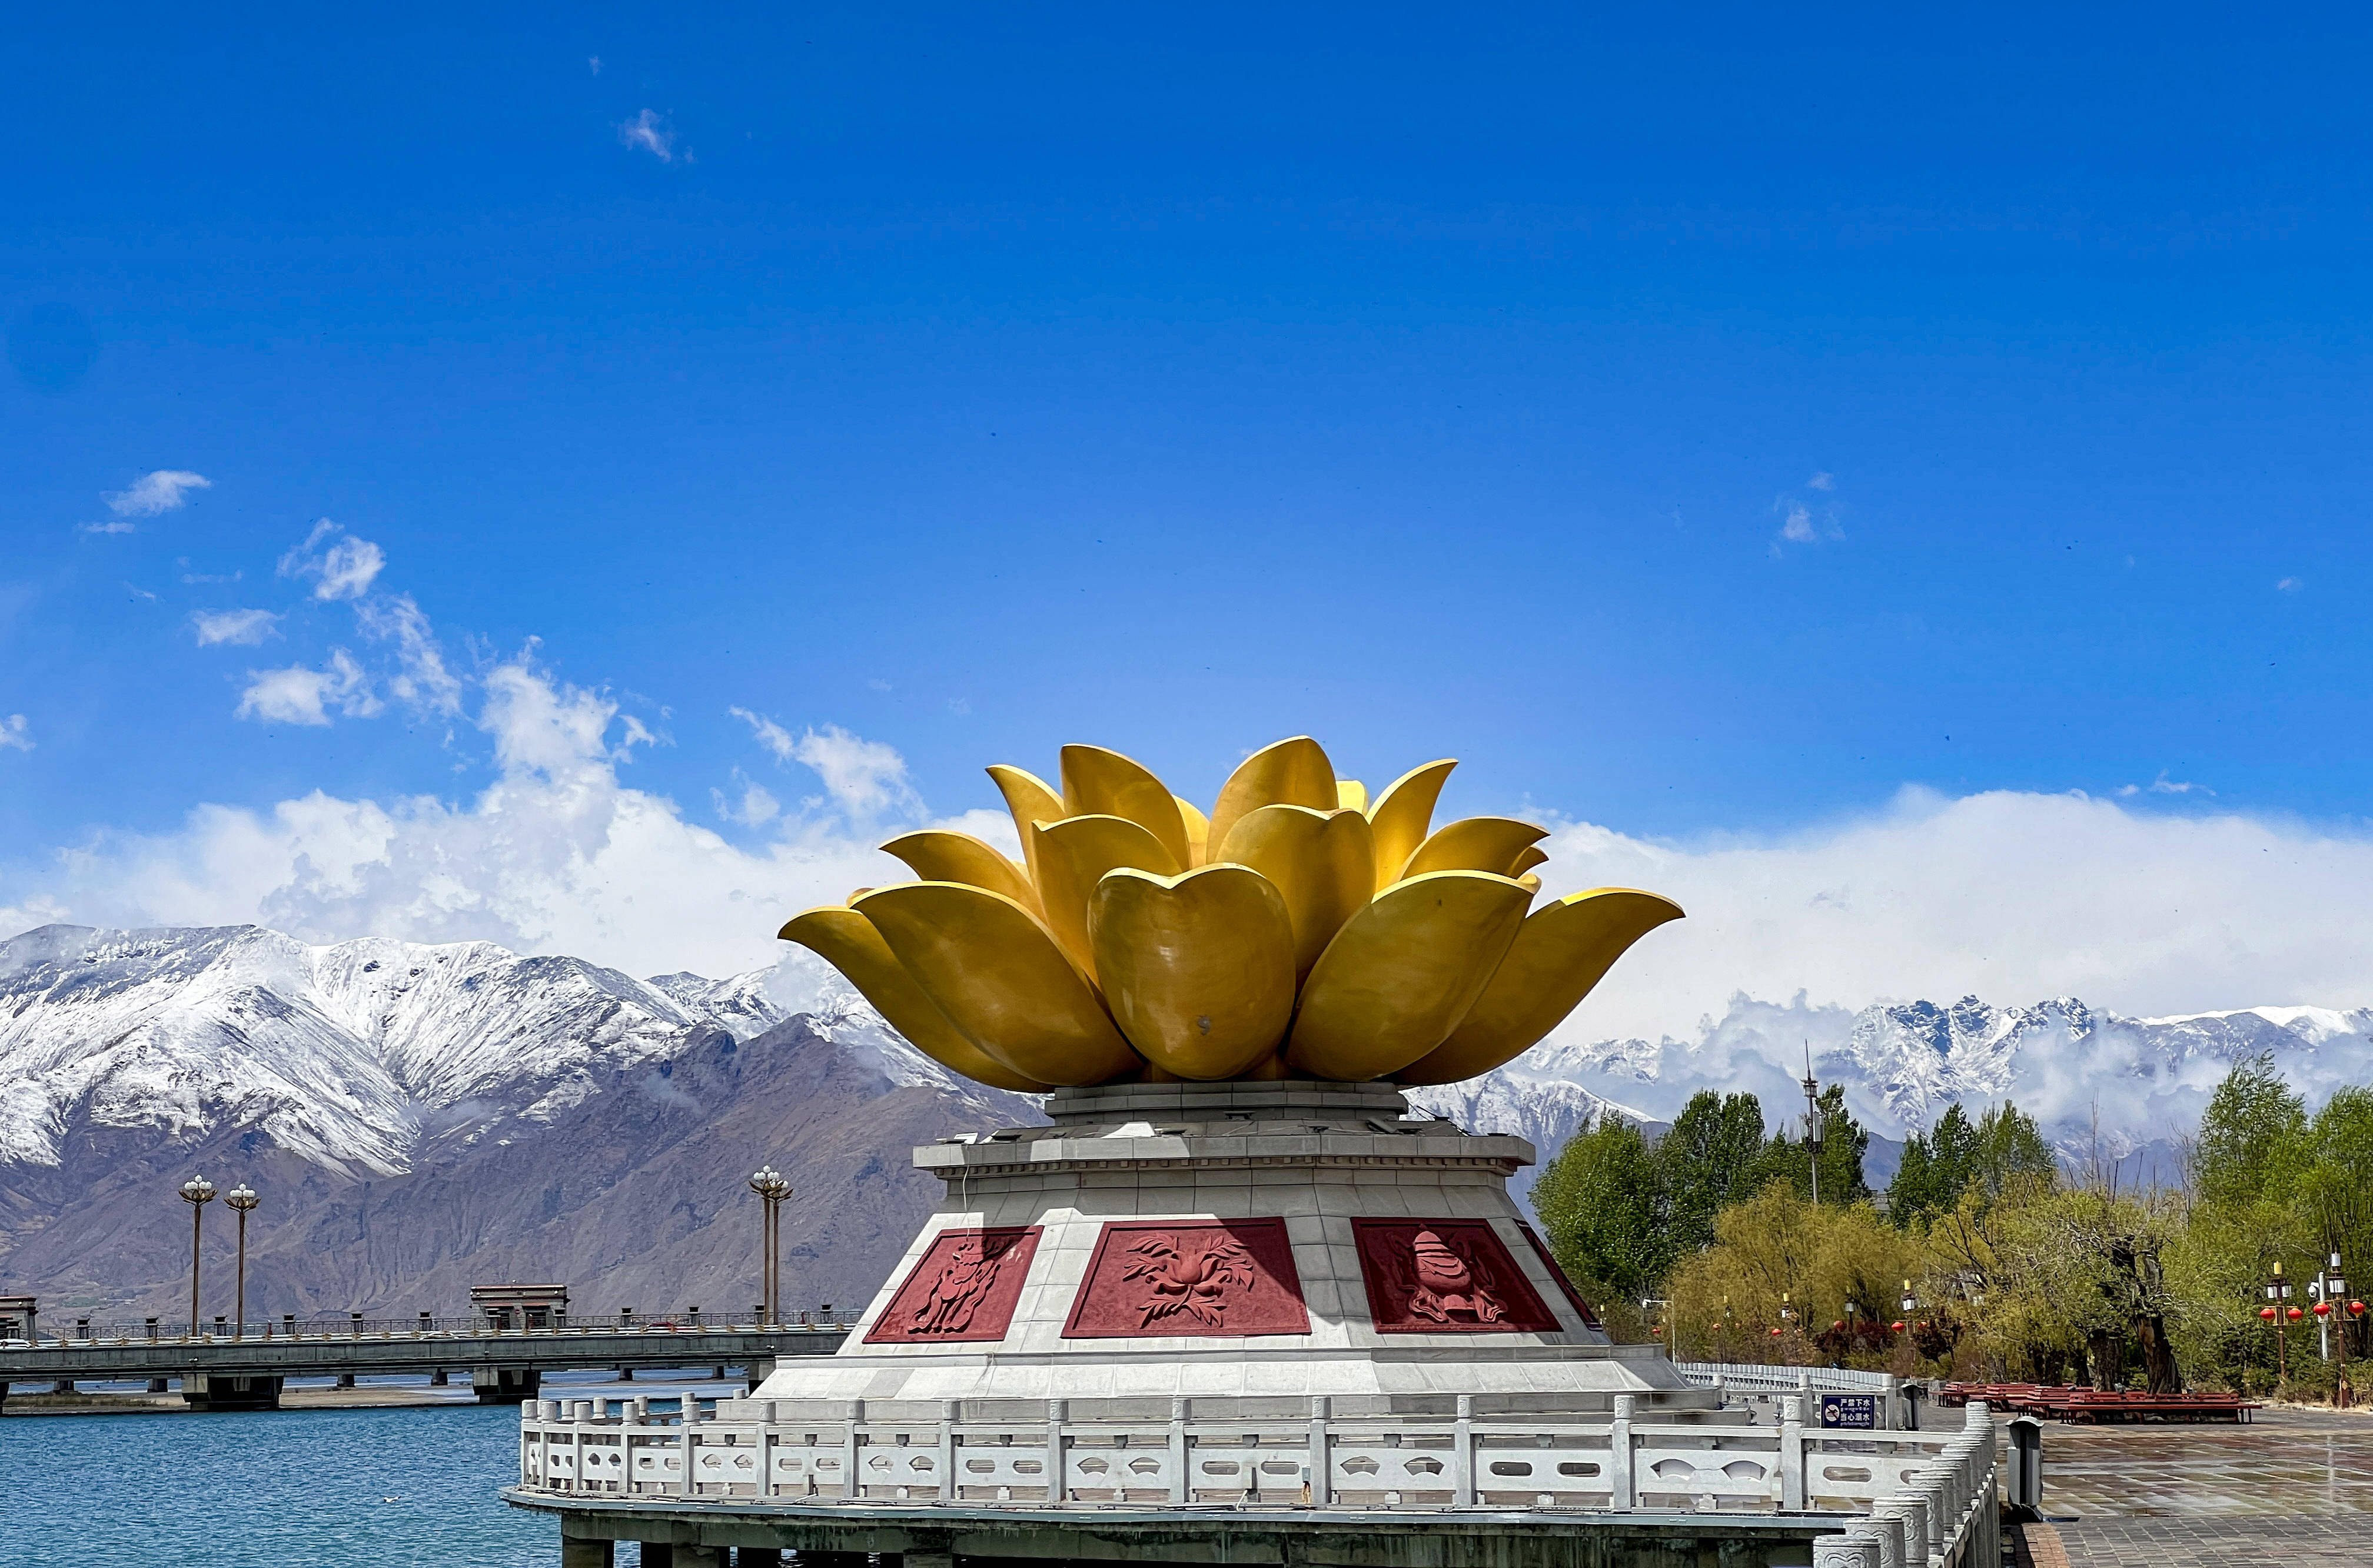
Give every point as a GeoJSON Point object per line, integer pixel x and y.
{"type": "Point", "coordinates": [370, 1056]}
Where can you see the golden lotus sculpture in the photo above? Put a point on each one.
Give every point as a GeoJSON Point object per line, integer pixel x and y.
{"type": "Point", "coordinates": [1300, 929]}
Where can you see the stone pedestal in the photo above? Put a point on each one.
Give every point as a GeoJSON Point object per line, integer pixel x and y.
{"type": "Point", "coordinates": [1264, 1242]}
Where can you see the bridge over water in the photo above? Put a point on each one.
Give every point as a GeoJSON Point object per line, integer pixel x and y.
{"type": "Point", "coordinates": [505, 1365]}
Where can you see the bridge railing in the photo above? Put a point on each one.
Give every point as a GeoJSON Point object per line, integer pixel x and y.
{"type": "Point", "coordinates": [354, 1326]}
{"type": "Point", "coordinates": [1930, 1495]}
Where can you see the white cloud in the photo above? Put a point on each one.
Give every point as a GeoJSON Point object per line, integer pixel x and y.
{"type": "Point", "coordinates": [119, 526]}
{"type": "Point", "coordinates": [246, 627]}
{"type": "Point", "coordinates": [1823, 481]}
{"type": "Point", "coordinates": [1798, 527]}
{"type": "Point", "coordinates": [163, 491]}
{"type": "Point", "coordinates": [594, 62]}
{"type": "Point", "coordinates": [556, 856]}
{"type": "Point", "coordinates": [2289, 585]}
{"type": "Point", "coordinates": [864, 778]}
{"type": "Point", "coordinates": [771, 735]}
{"type": "Point", "coordinates": [2163, 785]}
{"type": "Point", "coordinates": [340, 568]}
{"type": "Point", "coordinates": [14, 734]}
{"type": "Point", "coordinates": [651, 133]}
{"type": "Point", "coordinates": [2008, 897]}
{"type": "Point", "coordinates": [302, 695]}
{"type": "Point", "coordinates": [755, 805]}
{"type": "Point", "coordinates": [422, 680]}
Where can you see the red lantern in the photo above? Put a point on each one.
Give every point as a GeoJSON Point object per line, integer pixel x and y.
{"type": "Point", "coordinates": [1895, 1327]}
{"type": "Point", "coordinates": [1775, 1333]}
{"type": "Point", "coordinates": [1838, 1323]}
{"type": "Point", "coordinates": [2323, 1309]}
{"type": "Point", "coordinates": [2295, 1314]}
{"type": "Point", "coordinates": [2356, 1309]}
{"type": "Point", "coordinates": [1658, 1332]}
{"type": "Point", "coordinates": [2267, 1313]}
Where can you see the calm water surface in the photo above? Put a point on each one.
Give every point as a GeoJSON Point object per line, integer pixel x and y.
{"type": "Point", "coordinates": [271, 1488]}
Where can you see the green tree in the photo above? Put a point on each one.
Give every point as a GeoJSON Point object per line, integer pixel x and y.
{"type": "Point", "coordinates": [2009, 1149]}
{"type": "Point", "coordinates": [2252, 1137]}
{"type": "Point", "coordinates": [1707, 1160]}
{"type": "Point", "coordinates": [1601, 1200]}
{"type": "Point", "coordinates": [1955, 1157]}
{"type": "Point", "coordinates": [1843, 1142]}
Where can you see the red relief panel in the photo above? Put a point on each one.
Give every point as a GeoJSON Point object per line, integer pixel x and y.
{"type": "Point", "coordinates": [1573, 1297]}
{"type": "Point", "coordinates": [965, 1288]}
{"type": "Point", "coordinates": [1189, 1277]}
{"type": "Point", "coordinates": [1444, 1277]}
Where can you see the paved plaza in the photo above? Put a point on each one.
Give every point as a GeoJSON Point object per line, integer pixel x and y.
{"type": "Point", "coordinates": [2292, 1486]}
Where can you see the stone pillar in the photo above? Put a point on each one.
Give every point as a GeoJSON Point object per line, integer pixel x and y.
{"type": "Point", "coordinates": [63, 1385]}
{"type": "Point", "coordinates": [223, 1391]}
{"type": "Point", "coordinates": [657, 1554]}
{"type": "Point", "coordinates": [346, 1380]}
{"type": "Point", "coordinates": [159, 1385]}
{"type": "Point", "coordinates": [577, 1551]}
{"type": "Point", "coordinates": [438, 1379]}
{"type": "Point", "coordinates": [506, 1385]}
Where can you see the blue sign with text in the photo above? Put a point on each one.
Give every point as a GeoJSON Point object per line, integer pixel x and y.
{"type": "Point", "coordinates": [1856, 1411]}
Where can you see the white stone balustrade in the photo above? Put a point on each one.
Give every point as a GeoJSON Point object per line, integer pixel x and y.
{"type": "Point", "coordinates": [1929, 1495]}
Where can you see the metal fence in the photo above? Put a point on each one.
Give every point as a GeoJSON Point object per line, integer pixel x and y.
{"type": "Point", "coordinates": [356, 1326]}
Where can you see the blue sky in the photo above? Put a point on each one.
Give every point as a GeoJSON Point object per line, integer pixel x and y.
{"type": "Point", "coordinates": [1707, 423]}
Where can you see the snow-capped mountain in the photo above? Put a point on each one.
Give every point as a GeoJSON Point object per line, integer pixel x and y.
{"type": "Point", "coordinates": [428, 1115]}
{"type": "Point", "coordinates": [2071, 1066]}
{"type": "Point", "coordinates": [423, 1117]}
{"type": "Point", "coordinates": [354, 1055]}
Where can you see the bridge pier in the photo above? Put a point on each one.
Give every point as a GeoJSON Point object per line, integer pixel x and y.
{"type": "Point", "coordinates": [160, 1385]}
{"type": "Point", "coordinates": [581, 1551]}
{"type": "Point", "coordinates": [230, 1391]}
{"type": "Point", "coordinates": [506, 1384]}
{"type": "Point", "coordinates": [437, 1379]}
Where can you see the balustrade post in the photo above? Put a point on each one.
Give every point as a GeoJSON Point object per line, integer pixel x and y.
{"type": "Point", "coordinates": [951, 1412]}
{"type": "Point", "coordinates": [1844, 1551]}
{"type": "Point", "coordinates": [1618, 1450]}
{"type": "Point", "coordinates": [687, 1431]}
{"type": "Point", "coordinates": [1320, 1491]}
{"type": "Point", "coordinates": [1887, 1531]}
{"type": "Point", "coordinates": [1181, 1491]}
{"type": "Point", "coordinates": [1462, 1461]}
{"type": "Point", "coordinates": [1796, 1481]}
{"type": "Point", "coordinates": [851, 1487]}
{"type": "Point", "coordinates": [1059, 1491]}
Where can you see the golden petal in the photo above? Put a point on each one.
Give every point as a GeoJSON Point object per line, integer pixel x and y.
{"type": "Point", "coordinates": [1197, 969]}
{"type": "Point", "coordinates": [1562, 952]}
{"type": "Point", "coordinates": [1029, 800]}
{"type": "Point", "coordinates": [1199, 830]}
{"type": "Point", "coordinates": [846, 940]}
{"type": "Point", "coordinates": [1530, 884]}
{"type": "Point", "coordinates": [1097, 782]}
{"type": "Point", "coordinates": [989, 966]}
{"type": "Point", "coordinates": [1534, 855]}
{"type": "Point", "coordinates": [1350, 795]}
{"type": "Point", "coordinates": [1074, 856]}
{"type": "Point", "coordinates": [1323, 862]}
{"type": "Point", "coordinates": [1291, 773]}
{"type": "Point", "coordinates": [1401, 973]}
{"type": "Point", "coordinates": [1474, 844]}
{"type": "Point", "coordinates": [938, 856]}
{"type": "Point", "coordinates": [1403, 815]}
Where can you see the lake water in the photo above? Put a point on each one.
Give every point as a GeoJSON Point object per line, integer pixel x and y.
{"type": "Point", "coordinates": [390, 1488]}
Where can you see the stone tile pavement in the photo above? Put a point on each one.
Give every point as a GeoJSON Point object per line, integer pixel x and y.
{"type": "Point", "coordinates": [2291, 1487]}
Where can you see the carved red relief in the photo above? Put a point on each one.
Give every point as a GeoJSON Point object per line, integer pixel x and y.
{"type": "Point", "coordinates": [965, 1287]}
{"type": "Point", "coordinates": [1444, 1277]}
{"type": "Point", "coordinates": [1189, 1277]}
{"type": "Point", "coordinates": [1573, 1297]}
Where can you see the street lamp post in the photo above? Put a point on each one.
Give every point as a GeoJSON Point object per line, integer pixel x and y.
{"type": "Point", "coordinates": [768, 1184]}
{"type": "Point", "coordinates": [197, 1192]}
{"type": "Point", "coordinates": [242, 1199]}
{"type": "Point", "coordinates": [2277, 1292]}
{"type": "Point", "coordinates": [1813, 1122]}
